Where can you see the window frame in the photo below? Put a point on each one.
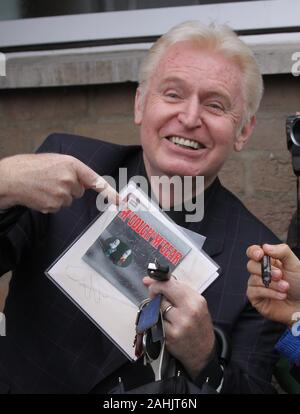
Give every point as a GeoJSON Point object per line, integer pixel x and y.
{"type": "Point", "coordinates": [251, 17]}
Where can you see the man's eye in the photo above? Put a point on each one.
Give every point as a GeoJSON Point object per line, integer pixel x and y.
{"type": "Point", "coordinates": [216, 106]}
{"type": "Point", "coordinates": [172, 95]}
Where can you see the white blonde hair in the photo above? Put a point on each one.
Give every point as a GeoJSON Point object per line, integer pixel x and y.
{"type": "Point", "coordinates": [218, 38]}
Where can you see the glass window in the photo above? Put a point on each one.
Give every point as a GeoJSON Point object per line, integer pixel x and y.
{"type": "Point", "coordinates": [21, 9]}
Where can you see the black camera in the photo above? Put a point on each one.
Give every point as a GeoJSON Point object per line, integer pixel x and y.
{"type": "Point", "coordinates": [293, 140]}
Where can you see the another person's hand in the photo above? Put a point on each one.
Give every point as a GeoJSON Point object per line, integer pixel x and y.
{"type": "Point", "coordinates": [188, 327]}
{"type": "Point", "coordinates": [47, 182]}
{"type": "Point", "coordinates": [282, 298]}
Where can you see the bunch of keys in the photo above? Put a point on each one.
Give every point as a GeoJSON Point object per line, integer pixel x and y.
{"type": "Point", "coordinates": [149, 328]}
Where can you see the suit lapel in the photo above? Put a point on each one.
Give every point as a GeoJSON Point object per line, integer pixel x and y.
{"type": "Point", "coordinates": [213, 224]}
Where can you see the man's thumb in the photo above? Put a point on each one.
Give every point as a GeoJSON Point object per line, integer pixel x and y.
{"type": "Point", "coordinates": [282, 252]}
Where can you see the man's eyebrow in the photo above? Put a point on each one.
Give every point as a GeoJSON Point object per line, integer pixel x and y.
{"type": "Point", "coordinates": [218, 94]}
{"type": "Point", "coordinates": [214, 93]}
{"type": "Point", "coordinates": [173, 79]}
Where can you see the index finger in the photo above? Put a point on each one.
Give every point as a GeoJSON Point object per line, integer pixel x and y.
{"type": "Point", "coordinates": [91, 180]}
{"type": "Point", "coordinates": [255, 252]}
{"type": "Point", "coordinates": [102, 186]}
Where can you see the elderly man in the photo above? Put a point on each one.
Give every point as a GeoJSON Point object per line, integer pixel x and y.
{"type": "Point", "coordinates": [199, 90]}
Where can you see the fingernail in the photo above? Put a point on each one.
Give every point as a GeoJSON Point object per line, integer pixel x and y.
{"type": "Point", "coordinates": [276, 272]}
{"type": "Point", "coordinates": [100, 183]}
{"type": "Point", "coordinates": [257, 254]}
{"type": "Point", "coordinates": [282, 284]}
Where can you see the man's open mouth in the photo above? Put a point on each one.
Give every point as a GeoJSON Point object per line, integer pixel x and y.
{"type": "Point", "coordinates": [185, 142]}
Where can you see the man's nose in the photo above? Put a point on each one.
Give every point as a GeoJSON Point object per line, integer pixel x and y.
{"type": "Point", "coordinates": [190, 114]}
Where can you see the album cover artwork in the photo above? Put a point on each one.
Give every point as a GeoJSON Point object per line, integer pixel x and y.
{"type": "Point", "coordinates": [102, 271]}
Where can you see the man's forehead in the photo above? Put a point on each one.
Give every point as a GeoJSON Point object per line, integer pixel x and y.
{"type": "Point", "coordinates": [186, 58]}
{"type": "Point", "coordinates": [190, 55]}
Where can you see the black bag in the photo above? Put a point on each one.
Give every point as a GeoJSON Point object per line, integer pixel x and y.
{"type": "Point", "coordinates": [175, 385]}
{"type": "Point", "coordinates": [175, 381]}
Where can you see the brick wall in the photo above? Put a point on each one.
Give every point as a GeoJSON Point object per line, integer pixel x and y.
{"type": "Point", "coordinates": [261, 175]}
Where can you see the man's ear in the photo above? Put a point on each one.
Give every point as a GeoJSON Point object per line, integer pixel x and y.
{"type": "Point", "coordinates": [138, 107]}
{"type": "Point", "coordinates": [244, 134]}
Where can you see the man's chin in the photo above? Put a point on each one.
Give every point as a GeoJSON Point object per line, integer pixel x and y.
{"type": "Point", "coordinates": [181, 171]}
{"type": "Point", "coordinates": [170, 168]}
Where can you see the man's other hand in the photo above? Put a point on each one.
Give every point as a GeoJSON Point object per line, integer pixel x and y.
{"type": "Point", "coordinates": [188, 327]}
{"type": "Point", "coordinates": [47, 182]}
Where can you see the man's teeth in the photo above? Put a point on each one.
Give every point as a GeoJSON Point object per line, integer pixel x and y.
{"type": "Point", "coordinates": [185, 142]}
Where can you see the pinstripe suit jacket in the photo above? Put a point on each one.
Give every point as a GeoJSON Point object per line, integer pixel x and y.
{"type": "Point", "coordinates": [52, 347]}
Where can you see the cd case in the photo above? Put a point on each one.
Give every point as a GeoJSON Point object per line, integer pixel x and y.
{"type": "Point", "coordinates": [102, 271]}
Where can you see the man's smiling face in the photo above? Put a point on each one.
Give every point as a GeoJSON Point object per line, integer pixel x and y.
{"type": "Point", "coordinates": [191, 112]}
